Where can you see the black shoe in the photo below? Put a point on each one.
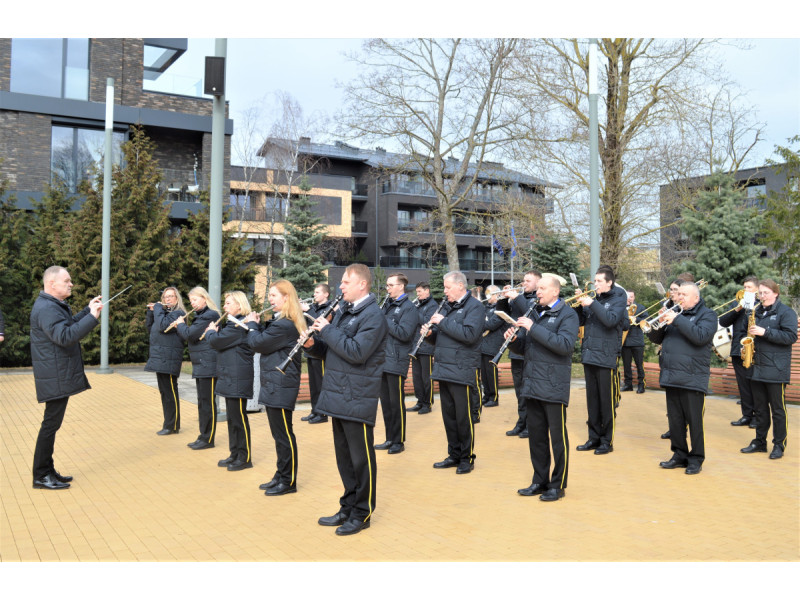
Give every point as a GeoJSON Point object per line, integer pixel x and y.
{"type": "Point", "coordinates": [68, 478]}
{"type": "Point", "coordinates": [225, 462]}
{"type": "Point", "coordinates": [516, 431]}
{"type": "Point", "coordinates": [626, 388]}
{"type": "Point", "coordinates": [279, 489]}
{"type": "Point", "coordinates": [424, 410]}
{"type": "Point", "coordinates": [415, 408]}
{"type": "Point", "coordinates": [318, 419]}
{"type": "Point", "coordinates": [604, 449]}
{"type": "Point", "coordinates": [201, 445]}
{"type": "Point", "coordinates": [533, 490]}
{"type": "Point", "coordinates": [752, 423]}
{"type": "Point", "coordinates": [49, 482]}
{"type": "Point", "coordinates": [476, 419]}
{"type": "Point", "coordinates": [166, 431]}
{"type": "Point", "coordinates": [446, 463]}
{"type": "Point", "coordinates": [552, 495]}
{"type": "Point", "coordinates": [271, 483]}
{"type": "Point", "coordinates": [384, 446]}
{"type": "Point", "coordinates": [777, 452]}
{"type": "Point", "coordinates": [194, 443]}
{"type": "Point", "coordinates": [351, 526]}
{"type": "Point", "coordinates": [752, 448]}
{"type": "Point", "coordinates": [523, 433]}
{"type": "Point", "coordinates": [397, 448]}
{"type": "Point", "coordinates": [693, 469]}
{"type": "Point", "coordinates": [339, 518]}
{"type": "Point", "coordinates": [742, 421]}
{"type": "Point", "coordinates": [240, 465]}
{"type": "Point", "coordinates": [640, 389]}
{"type": "Point", "coordinates": [673, 463]}
{"type": "Point", "coordinates": [739, 403]}
{"type": "Point", "coordinates": [464, 467]}
{"type": "Point", "coordinates": [308, 417]}
{"type": "Point", "coordinates": [590, 445]}
{"type": "Point", "coordinates": [491, 403]}
{"type": "Point", "coordinates": [665, 435]}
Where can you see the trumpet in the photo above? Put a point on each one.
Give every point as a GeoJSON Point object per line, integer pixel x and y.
{"type": "Point", "coordinates": [413, 353]}
{"type": "Point", "coordinates": [307, 300]}
{"type": "Point", "coordinates": [517, 288]}
{"type": "Point", "coordinates": [174, 324]}
{"type": "Point", "coordinates": [304, 338]}
{"type": "Point", "coordinates": [655, 323]}
{"type": "Point", "coordinates": [575, 300]}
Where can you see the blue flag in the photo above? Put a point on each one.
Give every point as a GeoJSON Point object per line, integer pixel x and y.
{"type": "Point", "coordinates": [514, 247]}
{"type": "Point", "coordinates": [497, 245]}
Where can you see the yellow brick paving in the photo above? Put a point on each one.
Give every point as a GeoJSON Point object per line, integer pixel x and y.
{"type": "Point", "coordinates": [140, 497]}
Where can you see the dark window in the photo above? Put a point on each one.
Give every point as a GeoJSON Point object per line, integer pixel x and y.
{"type": "Point", "coordinates": [57, 67]}
{"type": "Point", "coordinates": [76, 153]}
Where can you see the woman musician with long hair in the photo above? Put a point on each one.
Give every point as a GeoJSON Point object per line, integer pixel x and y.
{"type": "Point", "coordinates": [204, 364]}
{"type": "Point", "coordinates": [234, 379]}
{"type": "Point", "coordinates": [279, 390]}
{"type": "Point", "coordinates": [166, 354]}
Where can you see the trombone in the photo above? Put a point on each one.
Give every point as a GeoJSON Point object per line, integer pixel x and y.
{"type": "Point", "coordinates": [737, 298]}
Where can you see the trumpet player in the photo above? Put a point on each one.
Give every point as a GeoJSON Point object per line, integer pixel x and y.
{"type": "Point", "coordinates": [633, 347]}
{"type": "Point", "coordinates": [316, 367]}
{"type": "Point", "coordinates": [603, 318]}
{"type": "Point", "coordinates": [166, 354]}
{"type": "Point", "coordinates": [421, 368]}
{"type": "Point", "coordinates": [737, 319]}
{"type": "Point", "coordinates": [685, 364]}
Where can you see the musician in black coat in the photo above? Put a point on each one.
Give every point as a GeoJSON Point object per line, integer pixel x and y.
{"type": "Point", "coordinates": [402, 320]}
{"type": "Point", "coordinates": [353, 348]}
{"type": "Point", "coordinates": [234, 379]}
{"type": "Point", "coordinates": [457, 338]}
{"type": "Point", "coordinates": [316, 367]}
{"type": "Point", "coordinates": [547, 339]}
{"type": "Point", "coordinates": [490, 344]}
{"type": "Point", "coordinates": [774, 332]}
{"type": "Point", "coordinates": [422, 365]}
{"type": "Point", "coordinates": [204, 364]}
{"type": "Point", "coordinates": [279, 390]}
{"type": "Point", "coordinates": [737, 318]}
{"type": "Point", "coordinates": [633, 347]}
{"type": "Point", "coordinates": [166, 354]}
{"type": "Point", "coordinates": [57, 366]}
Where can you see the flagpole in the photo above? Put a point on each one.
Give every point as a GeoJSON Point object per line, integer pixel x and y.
{"type": "Point", "coordinates": [491, 253]}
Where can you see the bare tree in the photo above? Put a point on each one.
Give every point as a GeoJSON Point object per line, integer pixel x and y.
{"type": "Point", "coordinates": [444, 102]}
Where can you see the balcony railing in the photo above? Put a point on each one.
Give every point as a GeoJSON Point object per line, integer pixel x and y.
{"type": "Point", "coordinates": [362, 190]}
{"type": "Point", "coordinates": [477, 194]}
{"type": "Point", "coordinates": [241, 213]}
{"type": "Point", "coordinates": [179, 184]}
{"type": "Point", "coordinates": [466, 264]}
{"type": "Point", "coordinates": [360, 227]}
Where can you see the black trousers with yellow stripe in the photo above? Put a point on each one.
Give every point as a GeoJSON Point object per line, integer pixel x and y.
{"type": "Point", "coordinates": [547, 426]}
{"type": "Point", "coordinates": [421, 372]}
{"type": "Point", "coordinates": [393, 406]}
{"type": "Point", "coordinates": [206, 408]}
{"type": "Point", "coordinates": [316, 369]}
{"type": "Point", "coordinates": [355, 458]}
{"type": "Point", "coordinates": [456, 401]}
{"type": "Point", "coordinates": [685, 408]}
{"type": "Point", "coordinates": [239, 440]}
{"type": "Point", "coordinates": [489, 378]}
{"type": "Point", "coordinates": [770, 398]}
{"type": "Point", "coordinates": [168, 387]}
{"type": "Point", "coordinates": [280, 425]}
{"type": "Point", "coordinates": [602, 393]}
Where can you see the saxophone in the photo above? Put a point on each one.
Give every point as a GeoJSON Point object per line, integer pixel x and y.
{"type": "Point", "coordinates": [748, 343]}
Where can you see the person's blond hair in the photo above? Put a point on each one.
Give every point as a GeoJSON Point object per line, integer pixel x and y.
{"type": "Point", "coordinates": [241, 300]}
{"type": "Point", "coordinates": [179, 304]}
{"type": "Point", "coordinates": [203, 293]}
{"type": "Point", "coordinates": [291, 308]}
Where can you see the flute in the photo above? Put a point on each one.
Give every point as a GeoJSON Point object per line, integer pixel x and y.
{"type": "Point", "coordinates": [304, 338]}
{"type": "Point", "coordinates": [413, 353]}
{"type": "Point", "coordinates": [174, 324]}
{"type": "Point", "coordinates": [215, 323]}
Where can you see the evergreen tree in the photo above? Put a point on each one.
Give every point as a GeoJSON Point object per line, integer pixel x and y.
{"type": "Point", "coordinates": [49, 237]}
{"type": "Point", "coordinates": [304, 234]}
{"type": "Point", "coordinates": [556, 254]}
{"type": "Point", "coordinates": [437, 273]}
{"type": "Point", "coordinates": [722, 231]}
{"type": "Point", "coordinates": [379, 282]}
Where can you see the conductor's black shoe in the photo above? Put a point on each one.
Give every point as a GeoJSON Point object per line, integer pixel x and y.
{"type": "Point", "coordinates": [351, 526]}
{"type": "Point", "coordinates": [516, 431]}
{"type": "Point", "coordinates": [279, 489]}
{"type": "Point", "coordinates": [752, 448]}
{"type": "Point", "coordinates": [523, 433]}
{"type": "Point", "coordinates": [552, 495]}
{"type": "Point", "coordinates": [308, 416]}
{"type": "Point", "coordinates": [397, 448]}
{"type": "Point", "coordinates": [693, 469]}
{"type": "Point", "coordinates": [239, 465]}
{"type": "Point", "coordinates": [271, 483]}
{"type": "Point", "coordinates": [752, 424]}
{"type": "Point", "coordinates": [604, 449]}
{"type": "Point", "coordinates": [446, 463]}
{"type": "Point", "coordinates": [777, 452]}
{"type": "Point", "coordinates": [415, 408]}
{"type": "Point", "coordinates": [740, 422]}
{"type": "Point", "coordinates": [334, 521]}
{"type": "Point", "coordinates": [590, 445]}
{"type": "Point", "coordinates": [673, 463]}
{"type": "Point", "coordinates": [384, 446]}
{"type": "Point", "coordinates": [318, 419]}
{"type": "Point", "coordinates": [626, 388]}
{"type": "Point", "coordinates": [68, 478]}
{"type": "Point", "coordinates": [201, 445]}
{"type": "Point", "coordinates": [225, 462]}
{"type": "Point", "coordinates": [533, 490]}
{"type": "Point", "coordinates": [665, 435]}
{"type": "Point", "coordinates": [49, 482]}
{"type": "Point", "coordinates": [491, 403]}
{"type": "Point", "coordinates": [464, 467]}
{"type": "Point", "coordinates": [424, 410]}
{"type": "Point", "coordinates": [640, 389]}
{"type": "Point", "coordinates": [166, 431]}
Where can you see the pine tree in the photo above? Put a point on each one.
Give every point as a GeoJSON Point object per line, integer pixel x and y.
{"type": "Point", "coordinates": [556, 254]}
{"type": "Point", "coordinates": [722, 231]}
{"type": "Point", "coordinates": [437, 273]}
{"type": "Point", "coordinates": [49, 238]}
{"type": "Point", "coordinates": [304, 234]}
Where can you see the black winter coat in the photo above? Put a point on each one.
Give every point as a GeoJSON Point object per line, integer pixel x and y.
{"type": "Point", "coordinates": [166, 349]}
{"type": "Point", "coordinates": [772, 361]}
{"type": "Point", "coordinates": [402, 327]}
{"type": "Point", "coordinates": [316, 310]}
{"type": "Point", "coordinates": [204, 357]}
{"type": "Point", "coordinates": [426, 309]}
{"type": "Point", "coordinates": [517, 308]}
{"type": "Point", "coordinates": [603, 321]}
{"type": "Point", "coordinates": [685, 358]}
{"type": "Point", "coordinates": [55, 349]}
{"type": "Point", "coordinates": [353, 349]}
{"type": "Point", "coordinates": [635, 338]}
{"type": "Point", "coordinates": [274, 342]}
{"type": "Point", "coordinates": [234, 361]}
{"type": "Point", "coordinates": [457, 338]}
{"type": "Point", "coordinates": [496, 327]}
{"type": "Point", "coordinates": [548, 348]}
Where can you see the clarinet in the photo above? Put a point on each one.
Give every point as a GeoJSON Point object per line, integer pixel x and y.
{"type": "Point", "coordinates": [496, 360]}
{"type": "Point", "coordinates": [304, 338]}
{"type": "Point", "coordinates": [413, 353]}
